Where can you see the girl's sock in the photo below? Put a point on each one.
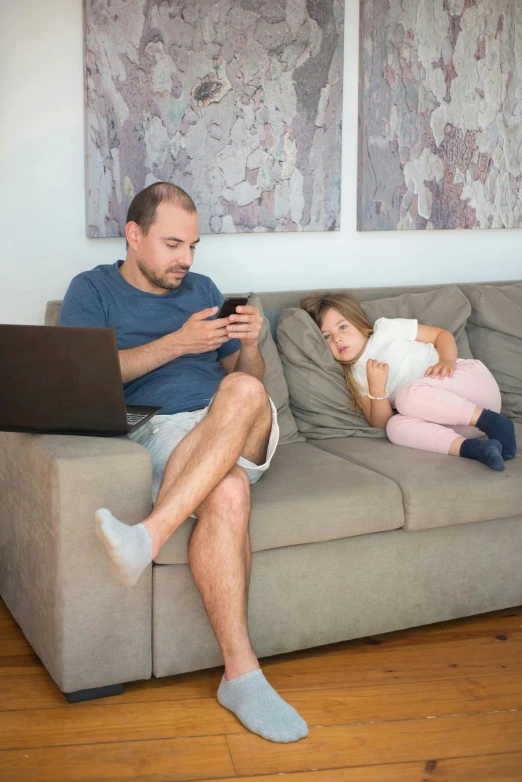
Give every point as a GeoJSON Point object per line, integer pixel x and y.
{"type": "Point", "coordinates": [489, 452]}
{"type": "Point", "coordinates": [500, 428]}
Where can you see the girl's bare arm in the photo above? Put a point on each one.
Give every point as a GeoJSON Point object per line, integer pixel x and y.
{"type": "Point", "coordinates": [446, 346]}
{"type": "Point", "coordinates": [377, 411]}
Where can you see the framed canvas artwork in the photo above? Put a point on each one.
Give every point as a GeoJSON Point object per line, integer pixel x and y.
{"type": "Point", "coordinates": [440, 115]}
{"type": "Point", "coordinates": [237, 101]}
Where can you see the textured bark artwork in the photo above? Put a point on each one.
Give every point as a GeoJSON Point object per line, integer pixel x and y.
{"type": "Point", "coordinates": [440, 143]}
{"type": "Point", "coordinates": [236, 101]}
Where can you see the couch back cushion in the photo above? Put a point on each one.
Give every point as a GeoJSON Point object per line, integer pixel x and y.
{"type": "Point", "coordinates": [274, 302]}
{"type": "Point", "coordinates": [52, 313]}
{"type": "Point", "coordinates": [275, 382]}
{"type": "Point", "coordinates": [274, 379]}
{"type": "Point", "coordinates": [495, 335]}
{"type": "Point", "coordinates": [319, 397]}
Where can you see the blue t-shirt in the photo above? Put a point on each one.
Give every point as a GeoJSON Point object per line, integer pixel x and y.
{"type": "Point", "coordinates": [103, 298]}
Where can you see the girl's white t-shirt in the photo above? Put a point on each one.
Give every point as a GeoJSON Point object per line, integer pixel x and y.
{"type": "Point", "coordinates": [393, 342]}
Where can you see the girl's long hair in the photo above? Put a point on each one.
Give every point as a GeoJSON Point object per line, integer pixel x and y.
{"type": "Point", "coordinates": [317, 305]}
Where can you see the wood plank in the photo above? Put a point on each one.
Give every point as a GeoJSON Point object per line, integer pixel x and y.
{"type": "Point", "coordinates": [10, 631]}
{"type": "Point", "coordinates": [171, 688]}
{"type": "Point", "coordinates": [30, 692]}
{"type": "Point", "coordinates": [382, 666]}
{"type": "Point", "coordinates": [8, 648]}
{"type": "Point", "coordinates": [39, 691]}
{"type": "Point", "coordinates": [16, 655]}
{"type": "Point", "coordinates": [321, 708]}
{"type": "Point", "coordinates": [4, 611]}
{"type": "Point", "coordinates": [91, 724]}
{"type": "Point", "coordinates": [176, 760]}
{"type": "Point", "coordinates": [19, 661]}
{"type": "Point", "coordinates": [389, 742]}
{"type": "Point", "coordinates": [99, 721]}
{"type": "Point", "coordinates": [483, 768]}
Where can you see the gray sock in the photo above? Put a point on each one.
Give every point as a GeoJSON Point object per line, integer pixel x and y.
{"type": "Point", "coordinates": [258, 706]}
{"type": "Point", "coordinates": [129, 547]}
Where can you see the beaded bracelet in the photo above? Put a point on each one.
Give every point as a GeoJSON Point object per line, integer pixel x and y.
{"type": "Point", "coordinates": [379, 398]}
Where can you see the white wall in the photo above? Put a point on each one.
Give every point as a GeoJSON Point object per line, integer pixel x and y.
{"type": "Point", "coordinates": [42, 202]}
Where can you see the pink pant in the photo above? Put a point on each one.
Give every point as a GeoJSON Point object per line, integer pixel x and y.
{"type": "Point", "coordinates": [432, 412]}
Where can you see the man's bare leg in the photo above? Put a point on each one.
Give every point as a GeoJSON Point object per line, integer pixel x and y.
{"type": "Point", "coordinates": [238, 423]}
{"type": "Point", "coordinates": [219, 556]}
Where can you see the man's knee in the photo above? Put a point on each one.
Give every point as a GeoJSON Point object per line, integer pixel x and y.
{"type": "Point", "coordinates": [235, 484]}
{"type": "Point", "coordinates": [244, 390]}
{"type": "Point", "coordinates": [230, 500]}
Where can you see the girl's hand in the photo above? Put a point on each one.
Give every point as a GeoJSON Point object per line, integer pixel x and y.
{"type": "Point", "coordinates": [446, 368]}
{"type": "Point", "coordinates": [377, 374]}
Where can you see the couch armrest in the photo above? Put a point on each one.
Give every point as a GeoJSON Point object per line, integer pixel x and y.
{"type": "Point", "coordinates": [54, 575]}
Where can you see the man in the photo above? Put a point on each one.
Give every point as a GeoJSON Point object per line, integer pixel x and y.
{"type": "Point", "coordinates": [216, 435]}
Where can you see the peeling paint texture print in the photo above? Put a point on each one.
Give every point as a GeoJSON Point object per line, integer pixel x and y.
{"type": "Point", "coordinates": [440, 132]}
{"type": "Point", "coordinates": [238, 102]}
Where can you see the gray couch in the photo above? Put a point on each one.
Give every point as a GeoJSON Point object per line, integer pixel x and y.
{"type": "Point", "coordinates": [351, 537]}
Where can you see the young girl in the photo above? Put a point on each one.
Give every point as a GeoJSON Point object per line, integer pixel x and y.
{"type": "Point", "coordinates": [443, 403]}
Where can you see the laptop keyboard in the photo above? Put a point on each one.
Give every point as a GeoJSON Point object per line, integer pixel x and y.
{"type": "Point", "coordinates": [135, 418]}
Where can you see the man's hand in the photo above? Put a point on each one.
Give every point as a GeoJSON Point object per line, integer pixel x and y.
{"type": "Point", "coordinates": [377, 374]}
{"type": "Point", "coordinates": [245, 325]}
{"type": "Point", "coordinates": [445, 368]}
{"type": "Point", "coordinates": [199, 335]}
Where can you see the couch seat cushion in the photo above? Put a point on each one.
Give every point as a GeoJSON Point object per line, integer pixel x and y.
{"type": "Point", "coordinates": [309, 496]}
{"type": "Point", "coordinates": [438, 490]}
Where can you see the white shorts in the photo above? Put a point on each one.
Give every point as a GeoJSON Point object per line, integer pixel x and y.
{"type": "Point", "coordinates": [163, 433]}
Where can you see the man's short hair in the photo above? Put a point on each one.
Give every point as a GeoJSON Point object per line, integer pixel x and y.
{"type": "Point", "coordinates": [143, 207]}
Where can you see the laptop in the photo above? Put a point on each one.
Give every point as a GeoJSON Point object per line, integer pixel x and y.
{"type": "Point", "coordinates": [64, 380]}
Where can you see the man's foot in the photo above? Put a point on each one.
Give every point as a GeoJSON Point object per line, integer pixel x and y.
{"type": "Point", "coordinates": [258, 706]}
{"type": "Point", "coordinates": [500, 428]}
{"type": "Point", "coordinates": [129, 547]}
{"type": "Point", "coordinates": [489, 452]}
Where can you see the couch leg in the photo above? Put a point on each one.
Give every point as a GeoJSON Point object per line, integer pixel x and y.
{"type": "Point", "coordinates": [95, 692]}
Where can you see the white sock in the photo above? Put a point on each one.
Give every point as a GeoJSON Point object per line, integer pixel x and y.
{"type": "Point", "coordinates": [255, 702]}
{"type": "Point", "coordinates": [129, 547]}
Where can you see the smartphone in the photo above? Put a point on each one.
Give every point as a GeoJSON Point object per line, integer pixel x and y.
{"type": "Point", "coordinates": [230, 304]}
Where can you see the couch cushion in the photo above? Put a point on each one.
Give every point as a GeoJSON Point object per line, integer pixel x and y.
{"type": "Point", "coordinates": [446, 307]}
{"type": "Point", "coordinates": [52, 313]}
{"type": "Point", "coordinates": [309, 496]}
{"type": "Point", "coordinates": [439, 490]}
{"type": "Point", "coordinates": [319, 397]}
{"type": "Point", "coordinates": [495, 334]}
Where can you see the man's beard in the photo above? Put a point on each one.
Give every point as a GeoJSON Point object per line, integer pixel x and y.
{"type": "Point", "coordinates": [161, 281]}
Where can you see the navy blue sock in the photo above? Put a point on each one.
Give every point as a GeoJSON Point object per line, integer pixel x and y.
{"type": "Point", "coordinates": [489, 452]}
{"type": "Point", "coordinates": [498, 427]}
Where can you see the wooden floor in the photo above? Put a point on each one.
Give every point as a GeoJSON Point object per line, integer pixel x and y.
{"type": "Point", "coordinates": [441, 703]}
